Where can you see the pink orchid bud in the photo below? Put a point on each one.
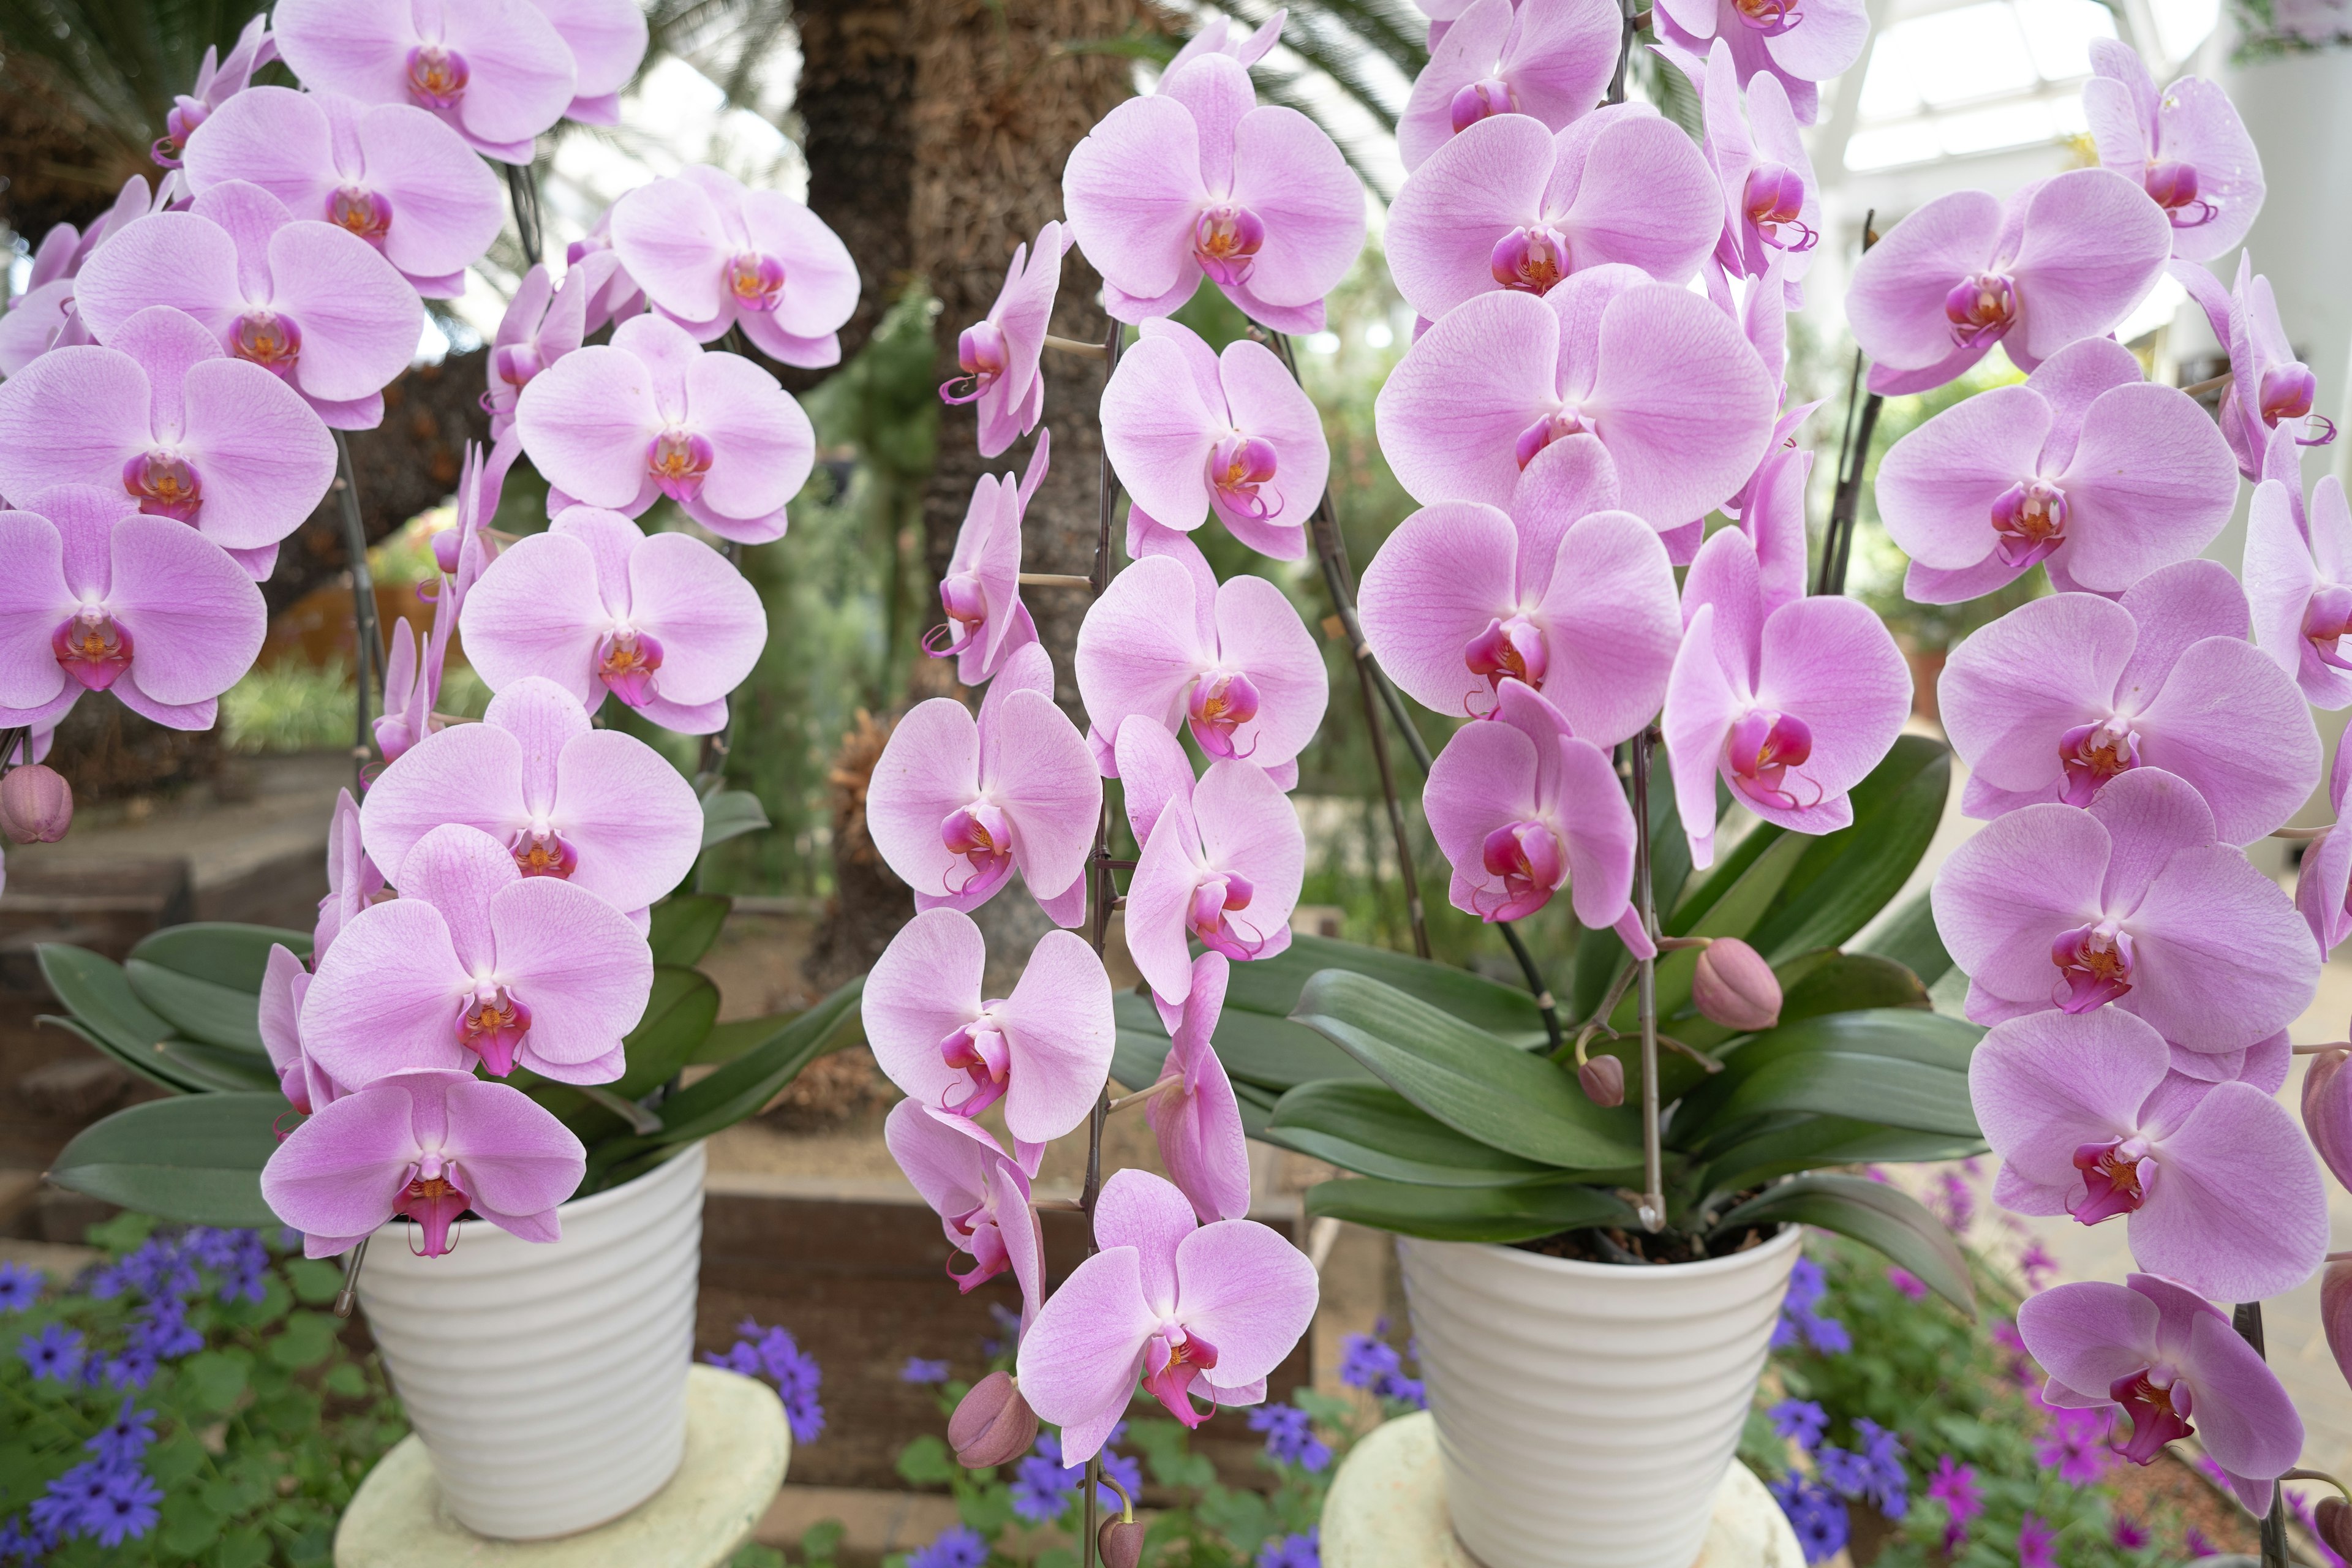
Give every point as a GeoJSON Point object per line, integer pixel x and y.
{"type": "Point", "coordinates": [1735, 987]}
{"type": "Point", "coordinates": [1481, 99]}
{"type": "Point", "coordinates": [1120, 1541]}
{"type": "Point", "coordinates": [35, 805]}
{"type": "Point", "coordinates": [1980, 309]}
{"type": "Point", "coordinates": [1226, 239]}
{"type": "Point", "coordinates": [2094, 966]}
{"type": "Point", "coordinates": [2287, 391]}
{"type": "Point", "coordinates": [92, 647]}
{"type": "Point", "coordinates": [1509, 649]}
{"type": "Point", "coordinates": [2325, 620]}
{"type": "Point", "coordinates": [2336, 1313]}
{"type": "Point", "coordinates": [1529, 259]}
{"type": "Point", "coordinates": [992, 1424]}
{"type": "Point", "coordinates": [2326, 1108]}
{"type": "Point", "coordinates": [1603, 1079]}
{"type": "Point", "coordinates": [756, 279]}
{"type": "Point", "coordinates": [165, 484]}
{"type": "Point", "coordinates": [437, 75]}
{"type": "Point", "coordinates": [2094, 753]}
{"type": "Point", "coordinates": [2332, 1523]}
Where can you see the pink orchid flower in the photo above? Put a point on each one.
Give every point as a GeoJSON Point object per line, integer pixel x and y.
{"type": "Point", "coordinates": [607, 39]}
{"type": "Point", "coordinates": [711, 255]}
{"type": "Point", "coordinates": [96, 597]}
{"type": "Point", "coordinates": [1665, 381]}
{"type": "Point", "coordinates": [2064, 694]}
{"type": "Point", "coordinates": [1222, 864]}
{"type": "Point", "coordinates": [2271, 391]}
{"type": "Point", "coordinates": [1772, 516]}
{"type": "Point", "coordinates": [2327, 1112]}
{"type": "Point", "coordinates": [430, 1145]}
{"type": "Point", "coordinates": [2322, 887]}
{"type": "Point", "coordinates": [218, 81]}
{"type": "Point", "coordinates": [43, 315]}
{"type": "Point", "coordinates": [1197, 180]}
{"type": "Point", "coordinates": [2066, 259]}
{"type": "Point", "coordinates": [1044, 1051]}
{"type": "Point", "coordinates": [1191, 432]}
{"type": "Point", "coordinates": [1791, 706]}
{"type": "Point", "coordinates": [2222, 1194]}
{"type": "Point", "coordinates": [595, 807]}
{"type": "Point", "coordinates": [2185, 146]}
{"type": "Point", "coordinates": [1523, 808]}
{"type": "Point", "coordinates": [619, 298]}
{"type": "Point", "coordinates": [2172, 1362]}
{"type": "Point", "coordinates": [664, 622]}
{"type": "Point", "coordinates": [353, 883]}
{"type": "Point", "coordinates": [980, 591]}
{"type": "Point", "coordinates": [284, 982]}
{"type": "Point", "coordinates": [1198, 1123]}
{"type": "Point", "coordinates": [1193, 1310]}
{"type": "Point", "coordinates": [1510, 205]}
{"type": "Point", "coordinates": [311, 303]}
{"type": "Point", "coordinates": [391, 174]}
{"type": "Point", "coordinates": [1551, 63]}
{"type": "Point", "coordinates": [1563, 591]}
{"type": "Point", "coordinates": [1800, 43]}
{"type": "Point", "coordinates": [476, 963]}
{"type": "Point", "coordinates": [982, 1198]}
{"type": "Point", "coordinates": [495, 71]}
{"type": "Point", "coordinates": [957, 803]}
{"type": "Point", "coordinates": [2086, 467]}
{"type": "Point", "coordinates": [1771, 201]}
{"type": "Point", "coordinates": [2133, 901]}
{"type": "Point", "coordinates": [652, 414]}
{"type": "Point", "coordinates": [544, 322]}
{"type": "Point", "coordinates": [2302, 592]}
{"type": "Point", "coordinates": [1169, 643]}
{"type": "Point", "coordinates": [999, 353]}
{"type": "Point", "coordinates": [164, 414]}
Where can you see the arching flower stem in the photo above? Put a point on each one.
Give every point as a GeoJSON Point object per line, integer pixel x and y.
{"type": "Point", "coordinates": [1853, 457]}
{"type": "Point", "coordinates": [367, 644]}
{"type": "Point", "coordinates": [1652, 1209]}
{"type": "Point", "coordinates": [2248, 1320]}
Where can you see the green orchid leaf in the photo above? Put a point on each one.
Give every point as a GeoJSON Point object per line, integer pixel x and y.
{"type": "Point", "coordinates": [150, 1064]}
{"type": "Point", "coordinates": [1371, 1129]}
{"type": "Point", "coordinates": [1271, 986]}
{"type": "Point", "coordinates": [219, 1069]}
{"type": "Point", "coordinates": [686, 924]}
{"type": "Point", "coordinates": [1902, 1034]}
{"type": "Point", "coordinates": [1910, 939]}
{"type": "Point", "coordinates": [741, 1086]}
{"type": "Point", "coordinates": [730, 813]}
{"type": "Point", "coordinates": [196, 1160]}
{"type": "Point", "coordinates": [203, 1010]}
{"type": "Point", "coordinates": [1873, 1213]}
{"type": "Point", "coordinates": [678, 1013]}
{"type": "Point", "coordinates": [1465, 1213]}
{"type": "Point", "coordinates": [222, 952]}
{"type": "Point", "coordinates": [1847, 877]}
{"type": "Point", "coordinates": [99, 994]}
{"type": "Point", "coordinates": [1797, 1144]}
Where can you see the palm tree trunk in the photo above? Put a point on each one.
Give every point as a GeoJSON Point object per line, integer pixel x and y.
{"type": "Point", "coordinates": [855, 102]}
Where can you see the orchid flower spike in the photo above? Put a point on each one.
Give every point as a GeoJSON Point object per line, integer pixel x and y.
{"type": "Point", "coordinates": [2271, 391]}
{"type": "Point", "coordinates": [711, 254]}
{"type": "Point", "coordinates": [2067, 259]}
{"type": "Point", "coordinates": [44, 316]}
{"type": "Point", "coordinates": [2133, 901]}
{"type": "Point", "coordinates": [980, 591]}
{"type": "Point", "coordinates": [664, 622]}
{"type": "Point", "coordinates": [96, 597]}
{"type": "Point", "coordinates": [1771, 201]}
{"type": "Point", "coordinates": [1510, 205]}
{"type": "Point", "coordinates": [2172, 1362]}
{"type": "Point", "coordinates": [391, 174]}
{"type": "Point", "coordinates": [652, 414]}
{"type": "Point", "coordinates": [982, 1198]}
{"type": "Point", "coordinates": [1667, 382]}
{"type": "Point", "coordinates": [2302, 592]}
{"type": "Point", "coordinates": [353, 883]}
{"type": "Point", "coordinates": [1167, 642]}
{"type": "Point", "coordinates": [957, 803]}
{"type": "Point", "coordinates": [1551, 63]}
{"type": "Point", "coordinates": [999, 354]}
{"type": "Point", "coordinates": [430, 1145]}
{"type": "Point", "coordinates": [495, 71]}
{"type": "Point", "coordinates": [284, 982]}
{"type": "Point", "coordinates": [1198, 180]}
{"type": "Point", "coordinates": [310, 303]}
{"type": "Point", "coordinates": [2064, 694]}
{"type": "Point", "coordinates": [218, 81]}
{"type": "Point", "coordinates": [1204, 1311]}
{"type": "Point", "coordinates": [598, 809]}
{"type": "Point", "coordinates": [1562, 591]}
{"type": "Point", "coordinates": [1044, 1051]}
{"type": "Point", "coordinates": [1799, 43]}
{"type": "Point", "coordinates": [2222, 1194]}
{"type": "Point", "coordinates": [1192, 432]}
{"type": "Point", "coordinates": [2185, 146]}
{"type": "Point", "coordinates": [1198, 1123]}
{"type": "Point", "coordinates": [1222, 864]}
{"type": "Point", "coordinates": [2322, 887]}
{"type": "Point", "coordinates": [544, 322]}
{"type": "Point", "coordinates": [607, 39]}
{"type": "Point", "coordinates": [1790, 707]}
{"type": "Point", "coordinates": [164, 414]}
{"type": "Point", "coordinates": [2086, 467]}
{"type": "Point", "coordinates": [1523, 808]}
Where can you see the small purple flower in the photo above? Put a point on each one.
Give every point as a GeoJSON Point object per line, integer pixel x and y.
{"type": "Point", "coordinates": [1807, 1285]}
{"type": "Point", "coordinates": [132, 1369]}
{"type": "Point", "coordinates": [2037, 1266]}
{"type": "Point", "coordinates": [1910, 1284]}
{"type": "Point", "coordinates": [19, 1286]}
{"type": "Point", "coordinates": [1954, 1486]}
{"type": "Point", "coordinates": [2037, 1544]}
{"type": "Point", "coordinates": [160, 1329]}
{"type": "Point", "coordinates": [1816, 1515]}
{"type": "Point", "coordinates": [2303, 1510]}
{"type": "Point", "coordinates": [959, 1546]}
{"type": "Point", "coordinates": [1042, 1485]}
{"type": "Point", "coordinates": [121, 1442]}
{"type": "Point", "coordinates": [55, 1352]}
{"type": "Point", "coordinates": [2129, 1534]}
{"type": "Point", "coordinates": [63, 1508]}
{"type": "Point", "coordinates": [775, 1354]}
{"type": "Point", "coordinates": [918, 1370]}
{"type": "Point", "coordinates": [123, 1509]}
{"type": "Point", "coordinates": [2075, 1446]}
{"type": "Point", "coordinates": [1366, 1362]}
{"type": "Point", "coordinates": [1293, 1550]}
{"type": "Point", "coordinates": [1290, 1436]}
{"type": "Point", "coordinates": [2195, 1544]}
{"type": "Point", "coordinates": [1800, 1419]}
{"type": "Point", "coordinates": [1957, 1200]}
{"type": "Point", "coordinates": [1847, 1474]}
{"type": "Point", "coordinates": [1888, 1486]}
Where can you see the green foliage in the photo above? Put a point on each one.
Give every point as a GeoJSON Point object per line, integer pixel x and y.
{"type": "Point", "coordinates": [289, 706]}
{"type": "Point", "coordinates": [195, 1158]}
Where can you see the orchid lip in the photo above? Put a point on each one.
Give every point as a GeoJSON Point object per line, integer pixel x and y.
{"type": "Point", "coordinates": [1565, 421]}
{"type": "Point", "coordinates": [1510, 648]}
{"type": "Point", "coordinates": [2325, 620]}
{"type": "Point", "coordinates": [1219, 705]}
{"type": "Point", "coordinates": [2287, 392]}
{"type": "Point", "coordinates": [2159, 1403]}
{"type": "Point", "coordinates": [268, 340]}
{"type": "Point", "coordinates": [627, 661]}
{"type": "Point", "coordinates": [2091, 754]}
{"type": "Point", "coordinates": [1769, 17]}
{"type": "Point", "coordinates": [363, 212]}
{"type": "Point", "coordinates": [2117, 1176]}
{"type": "Point", "coordinates": [756, 279]}
{"type": "Point", "coordinates": [2094, 966]}
{"type": "Point", "coordinates": [983, 1242]}
{"type": "Point", "coordinates": [1530, 260]}
{"type": "Point", "coordinates": [180, 123]}
{"type": "Point", "coordinates": [983, 356]}
{"type": "Point", "coordinates": [1176, 1358]}
{"type": "Point", "coordinates": [166, 485]}
{"type": "Point", "coordinates": [493, 1025]}
{"type": "Point", "coordinates": [1240, 467]}
{"type": "Point", "coordinates": [1760, 749]}
{"type": "Point", "coordinates": [1208, 916]}
{"type": "Point", "coordinates": [679, 460]}
{"type": "Point", "coordinates": [437, 75]}
{"type": "Point", "coordinates": [434, 1202]}
{"type": "Point", "coordinates": [1774, 198]}
{"type": "Point", "coordinates": [516, 363]}
{"type": "Point", "coordinates": [92, 647]}
{"type": "Point", "coordinates": [1226, 239]}
{"type": "Point", "coordinates": [2172, 185]}
{"type": "Point", "coordinates": [981, 835]}
{"type": "Point", "coordinates": [541, 851]}
{"type": "Point", "coordinates": [980, 1051]}
{"type": "Point", "coordinates": [2029, 522]}
{"type": "Point", "coordinates": [1981, 309]}
{"type": "Point", "coordinates": [1481, 99]}
{"type": "Point", "coordinates": [966, 604]}
{"type": "Point", "coordinates": [1528, 861]}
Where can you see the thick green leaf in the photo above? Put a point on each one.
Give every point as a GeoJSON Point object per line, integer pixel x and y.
{"type": "Point", "coordinates": [150, 1064]}
{"type": "Point", "coordinates": [1465, 1213]}
{"type": "Point", "coordinates": [1904, 1034]}
{"type": "Point", "coordinates": [1733, 911]}
{"type": "Point", "coordinates": [1873, 1213]}
{"type": "Point", "coordinates": [1909, 938]}
{"type": "Point", "coordinates": [1734, 858]}
{"type": "Point", "coordinates": [1371, 1129]}
{"type": "Point", "coordinates": [1812, 1143]}
{"type": "Point", "coordinates": [1599, 955]}
{"type": "Point", "coordinates": [1272, 985]}
{"type": "Point", "coordinates": [1847, 877]}
{"type": "Point", "coordinates": [730, 813]}
{"type": "Point", "coordinates": [219, 1069]}
{"type": "Point", "coordinates": [203, 1010]}
{"type": "Point", "coordinates": [197, 1159]}
{"type": "Point", "coordinates": [1256, 1106]}
{"type": "Point", "coordinates": [686, 924]}
{"type": "Point", "coordinates": [99, 994]}
{"type": "Point", "coordinates": [1893, 1093]}
{"type": "Point", "coordinates": [741, 1086]}
{"type": "Point", "coordinates": [730, 1039]}
{"type": "Point", "coordinates": [1849, 983]}
{"type": "Point", "coordinates": [1273, 1053]}
{"type": "Point", "coordinates": [679, 1014]}
{"type": "Point", "coordinates": [221, 951]}
{"type": "Point", "coordinates": [1466, 1078]}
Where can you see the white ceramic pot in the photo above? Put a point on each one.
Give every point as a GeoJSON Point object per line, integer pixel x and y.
{"type": "Point", "coordinates": [547, 1380]}
{"type": "Point", "coordinates": [1586, 1413]}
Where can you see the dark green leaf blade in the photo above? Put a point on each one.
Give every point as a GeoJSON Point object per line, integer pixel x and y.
{"type": "Point", "coordinates": [1847, 877]}
{"type": "Point", "coordinates": [218, 1069]}
{"type": "Point", "coordinates": [1273, 1053]}
{"type": "Point", "coordinates": [197, 1159]}
{"type": "Point", "coordinates": [741, 1086]}
{"type": "Point", "coordinates": [202, 1010]}
{"type": "Point", "coordinates": [1812, 1142]}
{"type": "Point", "coordinates": [224, 952]}
{"type": "Point", "coordinates": [1873, 1213]}
{"type": "Point", "coordinates": [99, 994]}
{"type": "Point", "coordinates": [150, 1064]}
{"type": "Point", "coordinates": [686, 924]}
{"type": "Point", "coordinates": [1904, 1034]}
{"type": "Point", "coordinates": [678, 1013]}
{"type": "Point", "coordinates": [1909, 1095]}
{"type": "Point", "coordinates": [1465, 1213]}
{"type": "Point", "coordinates": [730, 813]}
{"type": "Point", "coordinates": [1371, 1129]}
{"type": "Point", "coordinates": [1910, 939]}
{"type": "Point", "coordinates": [1272, 985]}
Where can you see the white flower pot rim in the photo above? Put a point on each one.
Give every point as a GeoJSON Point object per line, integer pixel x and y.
{"type": "Point", "coordinates": [1575, 1267]}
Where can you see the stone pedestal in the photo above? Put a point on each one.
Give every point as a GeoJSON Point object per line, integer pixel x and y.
{"type": "Point", "coordinates": [737, 1446]}
{"type": "Point", "coordinates": [1387, 1509]}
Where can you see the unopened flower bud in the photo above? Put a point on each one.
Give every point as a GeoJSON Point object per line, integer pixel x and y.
{"type": "Point", "coordinates": [35, 805]}
{"type": "Point", "coordinates": [1735, 987]}
{"type": "Point", "coordinates": [993, 1425]}
{"type": "Point", "coordinates": [2334, 1517]}
{"type": "Point", "coordinates": [1120, 1541]}
{"type": "Point", "coordinates": [1603, 1079]}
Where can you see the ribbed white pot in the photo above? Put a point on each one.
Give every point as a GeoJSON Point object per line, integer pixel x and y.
{"type": "Point", "coordinates": [1586, 1413]}
{"type": "Point", "coordinates": [547, 1380]}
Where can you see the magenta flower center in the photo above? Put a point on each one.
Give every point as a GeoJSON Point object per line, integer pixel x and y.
{"type": "Point", "coordinates": [1226, 239]}
{"type": "Point", "coordinates": [268, 340]}
{"type": "Point", "coordinates": [967, 609]}
{"type": "Point", "coordinates": [2326, 619]}
{"type": "Point", "coordinates": [1529, 259]}
{"type": "Point", "coordinates": [2094, 753]}
{"type": "Point", "coordinates": [1774, 198]}
{"type": "Point", "coordinates": [1769, 17]}
{"type": "Point", "coordinates": [2116, 1175]}
{"type": "Point", "coordinates": [1510, 650]}
{"type": "Point", "coordinates": [91, 647]}
{"type": "Point", "coordinates": [1210, 914]}
{"type": "Point", "coordinates": [1527, 859]}
{"type": "Point", "coordinates": [2172, 185]}
{"type": "Point", "coordinates": [679, 460]}
{"type": "Point", "coordinates": [492, 1027]}
{"type": "Point", "coordinates": [985, 1240]}
{"type": "Point", "coordinates": [978, 1051]}
{"type": "Point", "coordinates": [541, 851]}
{"type": "Point", "coordinates": [2030, 522]}
{"type": "Point", "coordinates": [625, 663]}
{"type": "Point", "coordinates": [1481, 99]}
{"type": "Point", "coordinates": [1981, 309]}
{"type": "Point", "coordinates": [516, 363]}
{"type": "Point", "coordinates": [437, 75]}
{"type": "Point", "coordinates": [2158, 1403]}
{"type": "Point", "coordinates": [1239, 467]}
{"type": "Point", "coordinates": [165, 484]}
{"type": "Point", "coordinates": [1564, 421]}
{"type": "Point", "coordinates": [1220, 703]}
{"type": "Point", "coordinates": [2287, 392]}
{"type": "Point", "coordinates": [981, 835]}
{"type": "Point", "coordinates": [362, 212]}
{"type": "Point", "coordinates": [756, 280]}
{"type": "Point", "coordinates": [983, 356]}
{"type": "Point", "coordinates": [1762, 747]}
{"type": "Point", "coordinates": [2094, 966]}
{"type": "Point", "coordinates": [434, 1201]}
{"type": "Point", "coordinates": [180, 123]}
{"type": "Point", "coordinates": [1172, 1360]}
